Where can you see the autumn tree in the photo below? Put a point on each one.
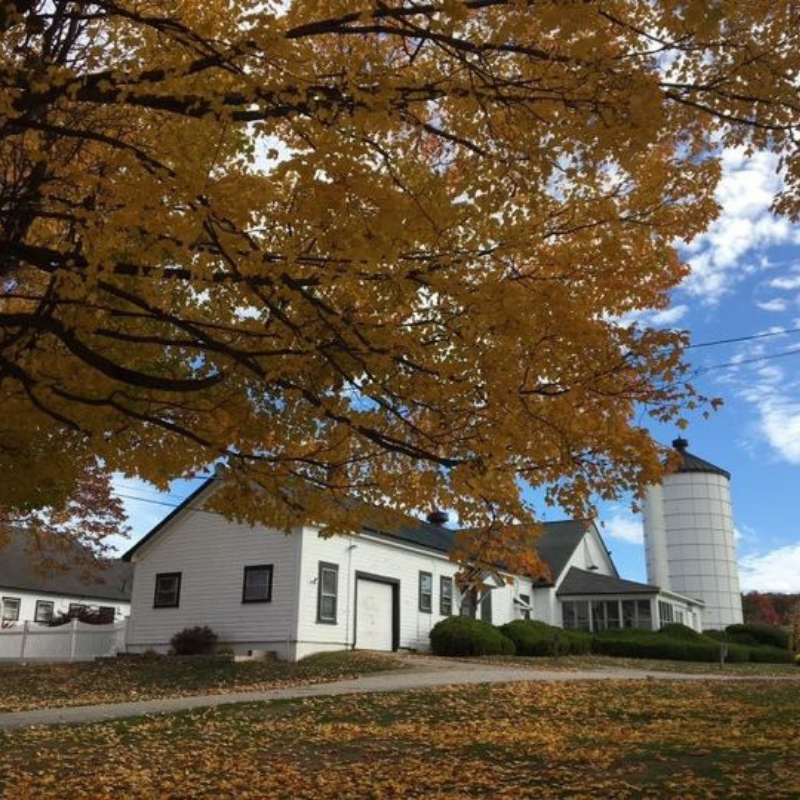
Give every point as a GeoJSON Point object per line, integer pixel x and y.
{"type": "Point", "coordinates": [359, 249]}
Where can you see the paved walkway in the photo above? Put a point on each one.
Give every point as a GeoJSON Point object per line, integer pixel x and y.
{"type": "Point", "coordinates": [421, 673]}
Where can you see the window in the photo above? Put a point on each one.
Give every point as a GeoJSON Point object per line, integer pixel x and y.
{"type": "Point", "coordinates": [644, 617]}
{"type": "Point", "coordinates": [168, 590]}
{"type": "Point", "coordinates": [468, 603]}
{"type": "Point", "coordinates": [257, 586]}
{"type": "Point", "coordinates": [10, 609]}
{"type": "Point", "coordinates": [576, 615]}
{"type": "Point", "coordinates": [486, 607]}
{"type": "Point", "coordinates": [425, 592]}
{"type": "Point", "coordinates": [665, 612]}
{"type": "Point", "coordinates": [44, 611]}
{"type": "Point", "coordinates": [327, 592]}
{"type": "Point", "coordinates": [76, 608]}
{"type": "Point", "coordinates": [605, 614]}
{"type": "Point", "coordinates": [636, 614]}
{"type": "Point", "coordinates": [445, 596]}
{"type": "Point", "coordinates": [106, 614]}
{"type": "Point", "coordinates": [525, 613]}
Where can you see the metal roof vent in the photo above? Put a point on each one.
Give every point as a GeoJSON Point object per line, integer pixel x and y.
{"type": "Point", "coordinates": [437, 517]}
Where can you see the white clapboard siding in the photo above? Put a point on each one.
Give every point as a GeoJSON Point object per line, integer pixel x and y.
{"type": "Point", "coordinates": [396, 561]}
{"type": "Point", "coordinates": [211, 553]}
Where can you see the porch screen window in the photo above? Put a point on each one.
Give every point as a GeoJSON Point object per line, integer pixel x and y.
{"type": "Point", "coordinates": [445, 596]}
{"type": "Point", "coordinates": [644, 618]}
{"type": "Point", "coordinates": [605, 614]}
{"type": "Point", "coordinates": [168, 590]}
{"type": "Point", "coordinates": [425, 592]}
{"type": "Point", "coordinates": [257, 587]}
{"type": "Point", "coordinates": [11, 609]}
{"type": "Point", "coordinates": [328, 593]}
{"type": "Point", "coordinates": [576, 614]}
{"type": "Point", "coordinates": [665, 611]}
{"type": "Point", "coordinates": [44, 612]}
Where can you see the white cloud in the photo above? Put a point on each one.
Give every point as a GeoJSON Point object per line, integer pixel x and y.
{"type": "Point", "coordinates": [669, 316]}
{"type": "Point", "coordinates": [788, 282]}
{"type": "Point", "coordinates": [775, 571]}
{"type": "Point", "coordinates": [726, 252]}
{"type": "Point", "coordinates": [626, 528]}
{"type": "Point", "coordinates": [776, 304]}
{"type": "Point", "coordinates": [780, 424]}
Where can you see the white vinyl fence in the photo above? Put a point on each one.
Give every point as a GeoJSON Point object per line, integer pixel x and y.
{"type": "Point", "coordinates": [75, 641]}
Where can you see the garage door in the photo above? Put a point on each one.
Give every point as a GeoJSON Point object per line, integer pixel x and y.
{"type": "Point", "coordinates": [374, 615]}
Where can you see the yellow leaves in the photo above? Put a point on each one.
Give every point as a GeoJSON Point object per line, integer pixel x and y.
{"type": "Point", "coordinates": [399, 238]}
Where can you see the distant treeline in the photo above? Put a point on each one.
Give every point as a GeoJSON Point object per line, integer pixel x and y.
{"type": "Point", "coordinates": [772, 608]}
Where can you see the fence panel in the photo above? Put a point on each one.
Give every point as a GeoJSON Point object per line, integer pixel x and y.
{"type": "Point", "coordinates": [76, 641]}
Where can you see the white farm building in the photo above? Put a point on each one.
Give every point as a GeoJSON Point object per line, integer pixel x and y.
{"type": "Point", "coordinates": [263, 590]}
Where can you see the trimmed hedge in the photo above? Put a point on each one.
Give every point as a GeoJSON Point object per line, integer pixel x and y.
{"type": "Point", "coordinates": [769, 635]}
{"type": "Point", "coordinates": [533, 638]}
{"type": "Point", "coordinates": [677, 631]}
{"type": "Point", "coordinates": [770, 655]}
{"type": "Point", "coordinates": [464, 636]}
{"type": "Point", "coordinates": [648, 644]}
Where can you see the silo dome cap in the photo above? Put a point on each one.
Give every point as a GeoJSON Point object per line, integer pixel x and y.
{"type": "Point", "coordinates": [692, 463]}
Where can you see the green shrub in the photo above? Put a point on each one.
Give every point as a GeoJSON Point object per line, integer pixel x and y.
{"type": "Point", "coordinates": [770, 655]}
{"type": "Point", "coordinates": [533, 638]}
{"type": "Point", "coordinates": [764, 634]}
{"type": "Point", "coordinates": [624, 633]}
{"type": "Point", "coordinates": [742, 638]}
{"type": "Point", "coordinates": [647, 644]}
{"type": "Point", "coordinates": [464, 636]}
{"type": "Point", "coordinates": [196, 641]}
{"type": "Point", "coordinates": [677, 631]}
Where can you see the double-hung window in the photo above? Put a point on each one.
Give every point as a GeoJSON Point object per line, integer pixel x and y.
{"type": "Point", "coordinates": [44, 611]}
{"type": "Point", "coordinates": [257, 587]}
{"type": "Point", "coordinates": [327, 592]}
{"type": "Point", "coordinates": [445, 595]}
{"type": "Point", "coordinates": [425, 592]}
{"type": "Point", "coordinates": [10, 609]}
{"type": "Point", "coordinates": [168, 590]}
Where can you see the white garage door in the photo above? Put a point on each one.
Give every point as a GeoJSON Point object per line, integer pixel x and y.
{"type": "Point", "coordinates": [374, 616]}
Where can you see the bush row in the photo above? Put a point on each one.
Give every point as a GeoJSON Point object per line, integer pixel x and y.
{"type": "Point", "coordinates": [463, 636]}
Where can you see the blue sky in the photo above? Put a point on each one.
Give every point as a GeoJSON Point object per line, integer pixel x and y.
{"type": "Point", "coordinates": [745, 280]}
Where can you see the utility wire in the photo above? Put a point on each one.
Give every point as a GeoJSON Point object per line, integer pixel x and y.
{"type": "Point", "coordinates": [747, 338]}
{"type": "Point", "coordinates": [754, 360]}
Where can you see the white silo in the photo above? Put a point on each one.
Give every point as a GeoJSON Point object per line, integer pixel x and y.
{"type": "Point", "coordinates": [689, 538]}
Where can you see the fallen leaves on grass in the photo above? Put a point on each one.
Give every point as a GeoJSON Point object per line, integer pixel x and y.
{"type": "Point", "coordinates": [611, 740]}
{"type": "Point", "coordinates": [28, 687]}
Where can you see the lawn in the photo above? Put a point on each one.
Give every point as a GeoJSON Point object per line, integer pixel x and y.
{"type": "Point", "coordinates": [25, 687]}
{"type": "Point", "coordinates": [595, 662]}
{"type": "Point", "coordinates": [647, 739]}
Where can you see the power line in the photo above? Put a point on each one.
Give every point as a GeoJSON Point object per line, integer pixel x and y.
{"type": "Point", "coordinates": [754, 360]}
{"type": "Point", "coordinates": [747, 338]}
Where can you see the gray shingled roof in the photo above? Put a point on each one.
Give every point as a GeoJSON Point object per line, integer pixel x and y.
{"type": "Point", "coordinates": [555, 545]}
{"type": "Point", "coordinates": [692, 463]}
{"type": "Point", "coordinates": [17, 571]}
{"type": "Point", "coordinates": [581, 581]}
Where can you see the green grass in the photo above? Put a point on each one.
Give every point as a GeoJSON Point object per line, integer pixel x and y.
{"type": "Point", "coordinates": [588, 739]}
{"type": "Point", "coordinates": [595, 662]}
{"type": "Point", "coordinates": [24, 687]}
